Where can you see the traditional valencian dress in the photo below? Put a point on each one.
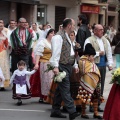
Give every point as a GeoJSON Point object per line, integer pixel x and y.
{"type": "Point", "coordinates": [20, 86]}
{"type": "Point", "coordinates": [2, 78]}
{"type": "Point", "coordinates": [4, 59]}
{"type": "Point", "coordinates": [44, 50]}
{"type": "Point", "coordinates": [112, 108]}
{"type": "Point", "coordinates": [89, 79]}
{"type": "Point", "coordinates": [89, 89]}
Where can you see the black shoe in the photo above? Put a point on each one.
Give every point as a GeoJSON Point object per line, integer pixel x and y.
{"type": "Point", "coordinates": [19, 102]}
{"type": "Point", "coordinates": [85, 116]}
{"type": "Point", "coordinates": [41, 100]}
{"type": "Point", "coordinates": [91, 109]}
{"type": "Point", "coordinates": [64, 110]}
{"type": "Point", "coordinates": [2, 89]}
{"type": "Point", "coordinates": [98, 117]}
{"type": "Point", "coordinates": [56, 115]}
{"type": "Point", "coordinates": [100, 110]}
{"type": "Point", "coordinates": [73, 115]}
{"type": "Point", "coordinates": [78, 108]}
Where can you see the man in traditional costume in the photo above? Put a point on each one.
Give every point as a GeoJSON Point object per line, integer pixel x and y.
{"type": "Point", "coordinates": [103, 56]}
{"type": "Point", "coordinates": [63, 58]}
{"type": "Point", "coordinates": [21, 40]}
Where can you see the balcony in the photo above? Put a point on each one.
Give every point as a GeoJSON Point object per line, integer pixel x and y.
{"type": "Point", "coordinates": [23, 1]}
{"type": "Point", "coordinates": [114, 2]}
{"type": "Point", "coordinates": [90, 1]}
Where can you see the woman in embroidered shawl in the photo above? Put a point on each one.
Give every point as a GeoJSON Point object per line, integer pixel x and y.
{"type": "Point", "coordinates": [43, 54]}
{"type": "Point", "coordinates": [89, 90]}
{"type": "Point", "coordinates": [4, 56]}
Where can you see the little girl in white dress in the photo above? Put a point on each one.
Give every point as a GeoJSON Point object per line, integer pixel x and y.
{"type": "Point", "coordinates": [20, 82]}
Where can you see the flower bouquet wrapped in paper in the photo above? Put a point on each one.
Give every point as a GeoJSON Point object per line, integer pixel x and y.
{"type": "Point", "coordinates": [59, 77]}
{"type": "Point", "coordinates": [56, 78]}
{"type": "Point", "coordinates": [116, 77]}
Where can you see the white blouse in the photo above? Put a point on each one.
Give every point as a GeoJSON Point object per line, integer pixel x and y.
{"type": "Point", "coordinates": [40, 47]}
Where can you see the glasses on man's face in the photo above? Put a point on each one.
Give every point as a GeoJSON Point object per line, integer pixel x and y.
{"type": "Point", "coordinates": [12, 23]}
{"type": "Point", "coordinates": [100, 29]}
{"type": "Point", "coordinates": [23, 22]}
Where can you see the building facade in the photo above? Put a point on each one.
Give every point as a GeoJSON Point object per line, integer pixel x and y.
{"type": "Point", "coordinates": [54, 11]}
{"type": "Point", "coordinates": [41, 11]}
{"type": "Point", "coordinates": [101, 11]}
{"type": "Point", "coordinates": [14, 9]}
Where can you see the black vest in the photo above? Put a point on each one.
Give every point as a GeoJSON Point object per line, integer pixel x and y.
{"type": "Point", "coordinates": [65, 57]}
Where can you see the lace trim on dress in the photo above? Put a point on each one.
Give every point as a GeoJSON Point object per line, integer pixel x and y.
{"type": "Point", "coordinates": [20, 73]}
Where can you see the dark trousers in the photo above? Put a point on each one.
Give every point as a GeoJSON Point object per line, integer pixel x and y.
{"type": "Point", "coordinates": [16, 58]}
{"type": "Point", "coordinates": [62, 92]}
{"type": "Point", "coordinates": [102, 70]}
{"type": "Point", "coordinates": [31, 65]}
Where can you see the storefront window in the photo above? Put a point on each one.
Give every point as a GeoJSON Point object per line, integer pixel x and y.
{"type": "Point", "coordinates": [41, 14]}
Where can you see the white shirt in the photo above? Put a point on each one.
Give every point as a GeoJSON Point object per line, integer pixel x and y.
{"type": "Point", "coordinates": [101, 45]}
{"type": "Point", "coordinates": [9, 34]}
{"type": "Point", "coordinates": [57, 42]}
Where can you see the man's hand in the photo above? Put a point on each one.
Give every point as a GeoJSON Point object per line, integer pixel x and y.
{"type": "Point", "coordinates": [76, 53]}
{"type": "Point", "coordinates": [76, 70]}
{"type": "Point", "coordinates": [36, 67]}
{"type": "Point", "coordinates": [110, 68]}
{"type": "Point", "coordinates": [101, 53]}
{"type": "Point", "coordinates": [56, 70]}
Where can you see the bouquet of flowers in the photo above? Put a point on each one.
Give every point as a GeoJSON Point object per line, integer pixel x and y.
{"type": "Point", "coordinates": [59, 77]}
{"type": "Point", "coordinates": [49, 67]}
{"type": "Point", "coordinates": [56, 78]}
{"type": "Point", "coordinates": [116, 77]}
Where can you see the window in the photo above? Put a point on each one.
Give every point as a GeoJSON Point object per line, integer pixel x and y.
{"type": "Point", "coordinates": [41, 14]}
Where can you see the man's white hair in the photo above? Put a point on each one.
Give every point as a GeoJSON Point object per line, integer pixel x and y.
{"type": "Point", "coordinates": [21, 19]}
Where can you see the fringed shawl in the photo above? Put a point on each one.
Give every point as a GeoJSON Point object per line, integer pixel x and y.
{"type": "Point", "coordinates": [17, 44]}
{"type": "Point", "coordinates": [89, 73]}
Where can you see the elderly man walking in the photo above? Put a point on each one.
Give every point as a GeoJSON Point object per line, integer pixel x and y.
{"type": "Point", "coordinates": [103, 56]}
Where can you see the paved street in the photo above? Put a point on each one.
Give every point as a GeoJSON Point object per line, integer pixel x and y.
{"type": "Point", "coordinates": [31, 109]}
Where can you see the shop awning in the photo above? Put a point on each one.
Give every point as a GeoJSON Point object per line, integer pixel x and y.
{"type": "Point", "coordinates": [90, 9]}
{"type": "Point", "coordinates": [34, 2]}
